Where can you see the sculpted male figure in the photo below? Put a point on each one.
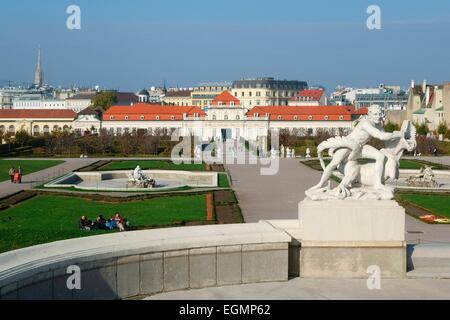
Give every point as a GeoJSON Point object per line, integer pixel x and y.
{"type": "Point", "coordinates": [355, 146]}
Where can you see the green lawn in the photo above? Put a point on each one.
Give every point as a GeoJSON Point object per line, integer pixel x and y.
{"type": "Point", "coordinates": [151, 164]}
{"type": "Point", "coordinates": [49, 218]}
{"type": "Point", "coordinates": [437, 203]}
{"type": "Point", "coordinates": [28, 166]}
{"type": "Point", "coordinates": [223, 180]}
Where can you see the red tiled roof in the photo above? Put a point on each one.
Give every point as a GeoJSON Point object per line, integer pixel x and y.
{"type": "Point", "coordinates": [361, 111]}
{"type": "Point", "coordinates": [331, 113]}
{"type": "Point", "coordinates": [225, 97]}
{"type": "Point", "coordinates": [37, 114]}
{"type": "Point", "coordinates": [126, 97]}
{"type": "Point", "coordinates": [314, 94]}
{"type": "Point", "coordinates": [150, 112]}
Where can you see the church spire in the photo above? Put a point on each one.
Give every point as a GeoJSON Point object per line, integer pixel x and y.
{"type": "Point", "coordinates": [39, 74]}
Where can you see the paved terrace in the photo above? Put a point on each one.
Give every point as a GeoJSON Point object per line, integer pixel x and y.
{"type": "Point", "coordinates": [319, 289]}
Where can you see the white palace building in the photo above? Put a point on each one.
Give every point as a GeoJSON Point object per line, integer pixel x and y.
{"type": "Point", "coordinates": [224, 119]}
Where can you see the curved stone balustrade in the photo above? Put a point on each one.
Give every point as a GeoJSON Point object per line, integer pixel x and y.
{"type": "Point", "coordinates": [128, 264]}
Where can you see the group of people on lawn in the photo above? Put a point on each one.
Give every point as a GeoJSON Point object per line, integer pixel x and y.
{"type": "Point", "coordinates": [15, 174]}
{"type": "Point", "coordinates": [116, 222]}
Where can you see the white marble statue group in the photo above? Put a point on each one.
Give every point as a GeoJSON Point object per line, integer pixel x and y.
{"type": "Point", "coordinates": [138, 179]}
{"type": "Point", "coordinates": [363, 180]}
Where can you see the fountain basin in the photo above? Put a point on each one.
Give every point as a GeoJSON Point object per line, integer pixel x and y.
{"type": "Point", "coordinates": [118, 180]}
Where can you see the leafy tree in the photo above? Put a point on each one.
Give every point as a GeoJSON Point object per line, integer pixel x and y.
{"type": "Point", "coordinates": [391, 127]}
{"type": "Point", "coordinates": [104, 100]}
{"type": "Point", "coordinates": [442, 128]}
{"type": "Point", "coordinates": [422, 129]}
{"type": "Point", "coordinates": [22, 138]}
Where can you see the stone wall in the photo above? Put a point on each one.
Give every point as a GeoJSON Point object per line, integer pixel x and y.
{"type": "Point", "coordinates": [124, 265]}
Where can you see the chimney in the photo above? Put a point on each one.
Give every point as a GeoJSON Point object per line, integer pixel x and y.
{"type": "Point", "coordinates": [412, 84]}
{"type": "Point", "coordinates": [424, 86]}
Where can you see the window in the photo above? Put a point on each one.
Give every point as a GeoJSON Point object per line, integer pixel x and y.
{"type": "Point", "coordinates": [325, 117]}
{"type": "Point", "coordinates": [341, 117]}
{"type": "Point", "coordinates": [172, 117]}
{"type": "Point", "coordinates": [295, 117]}
{"type": "Point", "coordinates": [232, 103]}
{"type": "Point", "coordinates": [12, 129]}
{"type": "Point", "coordinates": [36, 130]}
{"type": "Point", "coordinates": [126, 117]}
{"type": "Point", "coordinates": [157, 117]}
{"type": "Point", "coordinates": [111, 117]}
{"type": "Point", "coordinates": [250, 94]}
{"type": "Point", "coordinates": [46, 129]}
{"type": "Point", "coordinates": [214, 117]}
{"type": "Point", "coordinates": [242, 94]}
{"type": "Point", "coordinates": [219, 103]}
{"type": "Point", "coordinates": [258, 93]}
{"type": "Point", "coordinates": [310, 117]}
{"type": "Point", "coordinates": [280, 117]}
{"type": "Point", "coordinates": [225, 117]}
{"type": "Point", "coordinates": [142, 117]}
{"type": "Point", "coordinates": [256, 115]}
{"type": "Point", "coordinates": [237, 117]}
{"type": "Point", "coordinates": [2, 129]}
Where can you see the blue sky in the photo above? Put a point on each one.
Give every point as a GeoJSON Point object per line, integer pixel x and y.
{"type": "Point", "coordinates": [131, 44]}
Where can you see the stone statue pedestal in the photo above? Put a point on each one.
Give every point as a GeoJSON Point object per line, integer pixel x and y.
{"type": "Point", "coordinates": [342, 238]}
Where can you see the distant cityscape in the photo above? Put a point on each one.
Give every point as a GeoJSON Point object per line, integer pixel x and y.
{"type": "Point", "coordinates": [225, 109]}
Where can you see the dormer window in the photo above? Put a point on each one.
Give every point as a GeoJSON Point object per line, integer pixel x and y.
{"type": "Point", "coordinates": [172, 117]}
{"type": "Point", "coordinates": [219, 103]}
{"type": "Point", "coordinates": [280, 117]}
{"type": "Point", "coordinates": [157, 117]}
{"type": "Point", "coordinates": [126, 117]}
{"type": "Point", "coordinates": [295, 117]}
{"type": "Point", "coordinates": [341, 117]}
{"type": "Point", "coordinates": [111, 117]}
{"type": "Point", "coordinates": [325, 117]}
{"type": "Point", "coordinates": [310, 117]}
{"type": "Point", "coordinates": [232, 103]}
{"type": "Point", "coordinates": [256, 115]}
{"type": "Point", "coordinates": [142, 117]}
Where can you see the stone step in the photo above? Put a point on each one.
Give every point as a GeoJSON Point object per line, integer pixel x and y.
{"type": "Point", "coordinates": [428, 257]}
{"type": "Point", "coordinates": [429, 273]}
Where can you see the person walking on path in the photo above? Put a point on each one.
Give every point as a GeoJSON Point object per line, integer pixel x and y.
{"type": "Point", "coordinates": [11, 174]}
{"type": "Point", "coordinates": [19, 171]}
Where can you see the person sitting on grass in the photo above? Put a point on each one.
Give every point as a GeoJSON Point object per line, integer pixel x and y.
{"type": "Point", "coordinates": [120, 222]}
{"type": "Point", "coordinates": [100, 223]}
{"type": "Point", "coordinates": [85, 224]}
{"type": "Point", "coordinates": [110, 224]}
